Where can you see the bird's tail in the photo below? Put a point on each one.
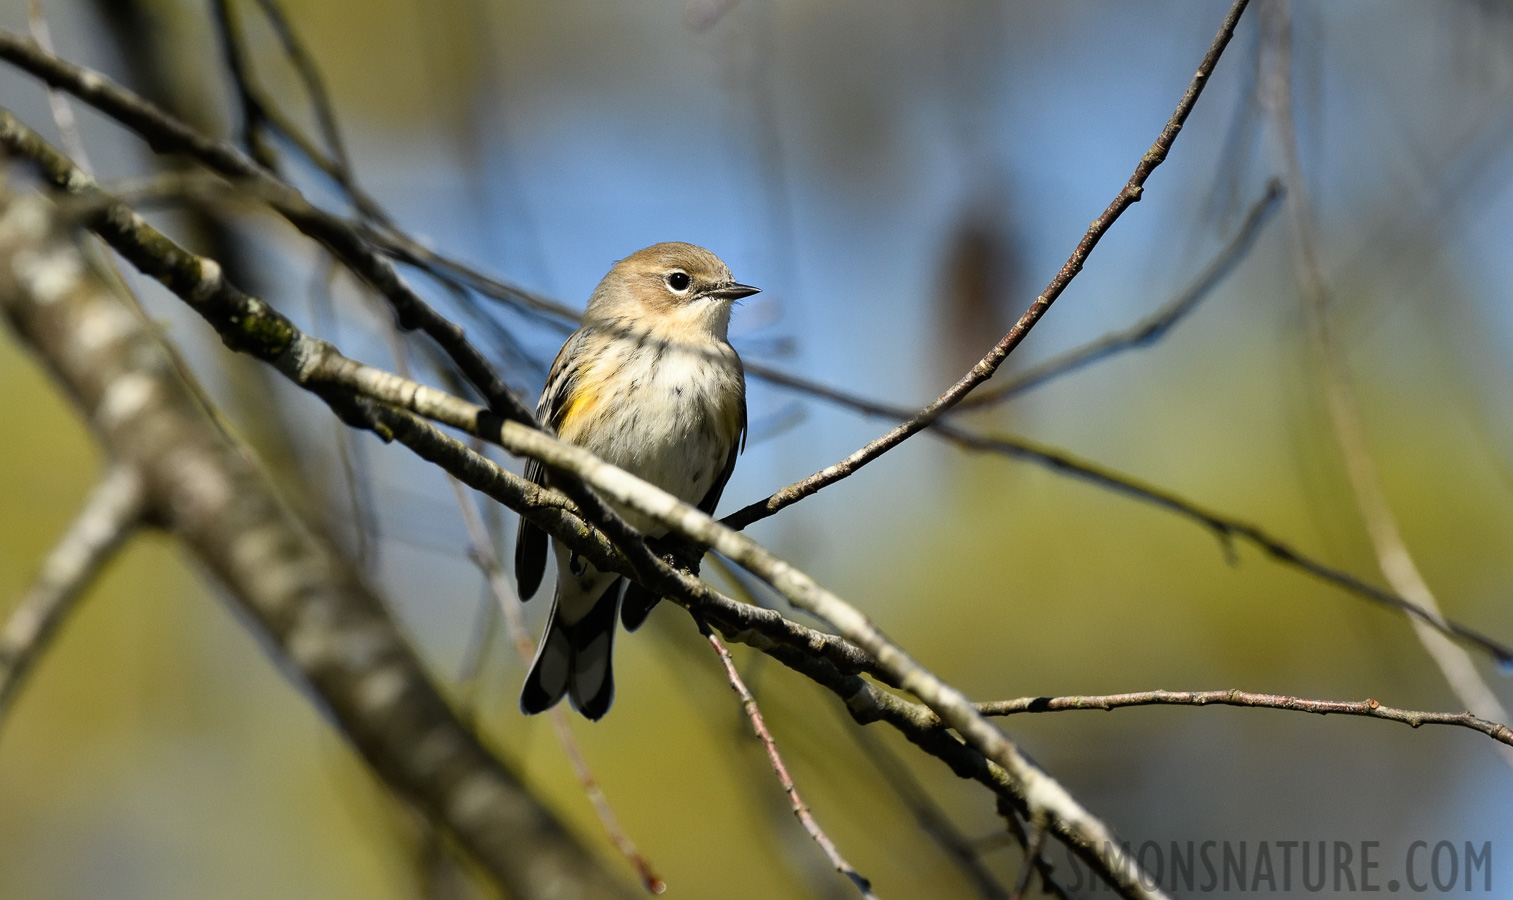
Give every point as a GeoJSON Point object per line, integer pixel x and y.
{"type": "Point", "coordinates": [574, 659]}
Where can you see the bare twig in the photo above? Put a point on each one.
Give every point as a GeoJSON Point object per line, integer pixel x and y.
{"type": "Point", "coordinates": [1031, 860]}
{"type": "Point", "coordinates": [259, 111]}
{"type": "Point", "coordinates": [109, 517]}
{"type": "Point", "coordinates": [320, 99]}
{"type": "Point", "coordinates": [1392, 553]}
{"type": "Point", "coordinates": [800, 808]}
{"type": "Point", "coordinates": [1226, 528]}
{"type": "Point", "coordinates": [927, 812]}
{"type": "Point", "coordinates": [989, 364]}
{"type": "Point", "coordinates": [514, 622]}
{"type": "Point", "coordinates": [1369, 708]}
{"type": "Point", "coordinates": [929, 815]}
{"type": "Point", "coordinates": [62, 110]}
{"type": "Point", "coordinates": [254, 112]}
{"type": "Point", "coordinates": [1153, 327]}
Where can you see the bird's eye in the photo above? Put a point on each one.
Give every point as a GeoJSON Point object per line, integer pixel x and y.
{"type": "Point", "coordinates": [679, 282]}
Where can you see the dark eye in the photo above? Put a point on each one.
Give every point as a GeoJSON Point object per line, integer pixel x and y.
{"type": "Point", "coordinates": [679, 281]}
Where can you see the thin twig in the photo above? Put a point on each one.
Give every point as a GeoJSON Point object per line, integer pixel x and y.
{"type": "Point", "coordinates": [254, 116]}
{"type": "Point", "coordinates": [315, 88]}
{"type": "Point", "coordinates": [928, 814]}
{"type": "Point", "coordinates": [931, 818]}
{"type": "Point", "coordinates": [109, 517]}
{"type": "Point", "coordinates": [989, 364]}
{"type": "Point", "coordinates": [62, 110]}
{"type": "Point", "coordinates": [514, 622]}
{"type": "Point", "coordinates": [800, 808]}
{"type": "Point", "coordinates": [166, 133]}
{"type": "Point", "coordinates": [1370, 709]}
{"type": "Point", "coordinates": [1031, 860]}
{"type": "Point", "coordinates": [1153, 327]}
{"type": "Point", "coordinates": [260, 111]}
{"type": "Point", "coordinates": [1393, 556]}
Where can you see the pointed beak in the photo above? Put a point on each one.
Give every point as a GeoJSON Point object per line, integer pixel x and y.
{"type": "Point", "coordinates": [732, 292]}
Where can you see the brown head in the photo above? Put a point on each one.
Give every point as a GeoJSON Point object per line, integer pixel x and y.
{"type": "Point", "coordinates": [676, 288]}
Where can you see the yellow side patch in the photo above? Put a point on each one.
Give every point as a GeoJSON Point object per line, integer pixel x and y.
{"type": "Point", "coordinates": [582, 404]}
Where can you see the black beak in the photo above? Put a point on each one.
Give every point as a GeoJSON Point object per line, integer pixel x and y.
{"type": "Point", "coordinates": [732, 292]}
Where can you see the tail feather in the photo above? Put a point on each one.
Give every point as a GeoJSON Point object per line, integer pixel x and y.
{"type": "Point", "coordinates": [573, 660]}
{"type": "Point", "coordinates": [636, 606]}
{"type": "Point", "coordinates": [547, 682]}
{"type": "Point", "coordinates": [591, 684]}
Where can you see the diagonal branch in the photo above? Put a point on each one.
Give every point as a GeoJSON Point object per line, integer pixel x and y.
{"type": "Point", "coordinates": [989, 364]}
{"type": "Point", "coordinates": [110, 516]}
{"type": "Point", "coordinates": [1153, 327]}
{"type": "Point", "coordinates": [800, 809]}
{"type": "Point", "coordinates": [1148, 330]}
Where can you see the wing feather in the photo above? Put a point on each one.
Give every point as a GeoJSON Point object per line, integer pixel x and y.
{"type": "Point", "coordinates": [530, 541]}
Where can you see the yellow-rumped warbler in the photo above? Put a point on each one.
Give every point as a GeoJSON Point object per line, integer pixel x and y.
{"type": "Point", "coordinates": [649, 384]}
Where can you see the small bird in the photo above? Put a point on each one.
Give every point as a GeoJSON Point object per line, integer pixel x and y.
{"type": "Point", "coordinates": [649, 383]}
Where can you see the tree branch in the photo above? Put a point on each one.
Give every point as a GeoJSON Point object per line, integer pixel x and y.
{"type": "Point", "coordinates": [1370, 709]}
{"type": "Point", "coordinates": [801, 809]}
{"type": "Point", "coordinates": [165, 134]}
{"type": "Point", "coordinates": [1150, 329]}
{"type": "Point", "coordinates": [989, 364]}
{"type": "Point", "coordinates": [1393, 556]}
{"type": "Point", "coordinates": [509, 608]}
{"type": "Point", "coordinates": [110, 516]}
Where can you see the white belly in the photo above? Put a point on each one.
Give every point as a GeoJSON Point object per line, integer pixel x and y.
{"type": "Point", "coordinates": [674, 426]}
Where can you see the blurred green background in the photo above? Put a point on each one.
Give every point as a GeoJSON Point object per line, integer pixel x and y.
{"type": "Point", "coordinates": [901, 178]}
